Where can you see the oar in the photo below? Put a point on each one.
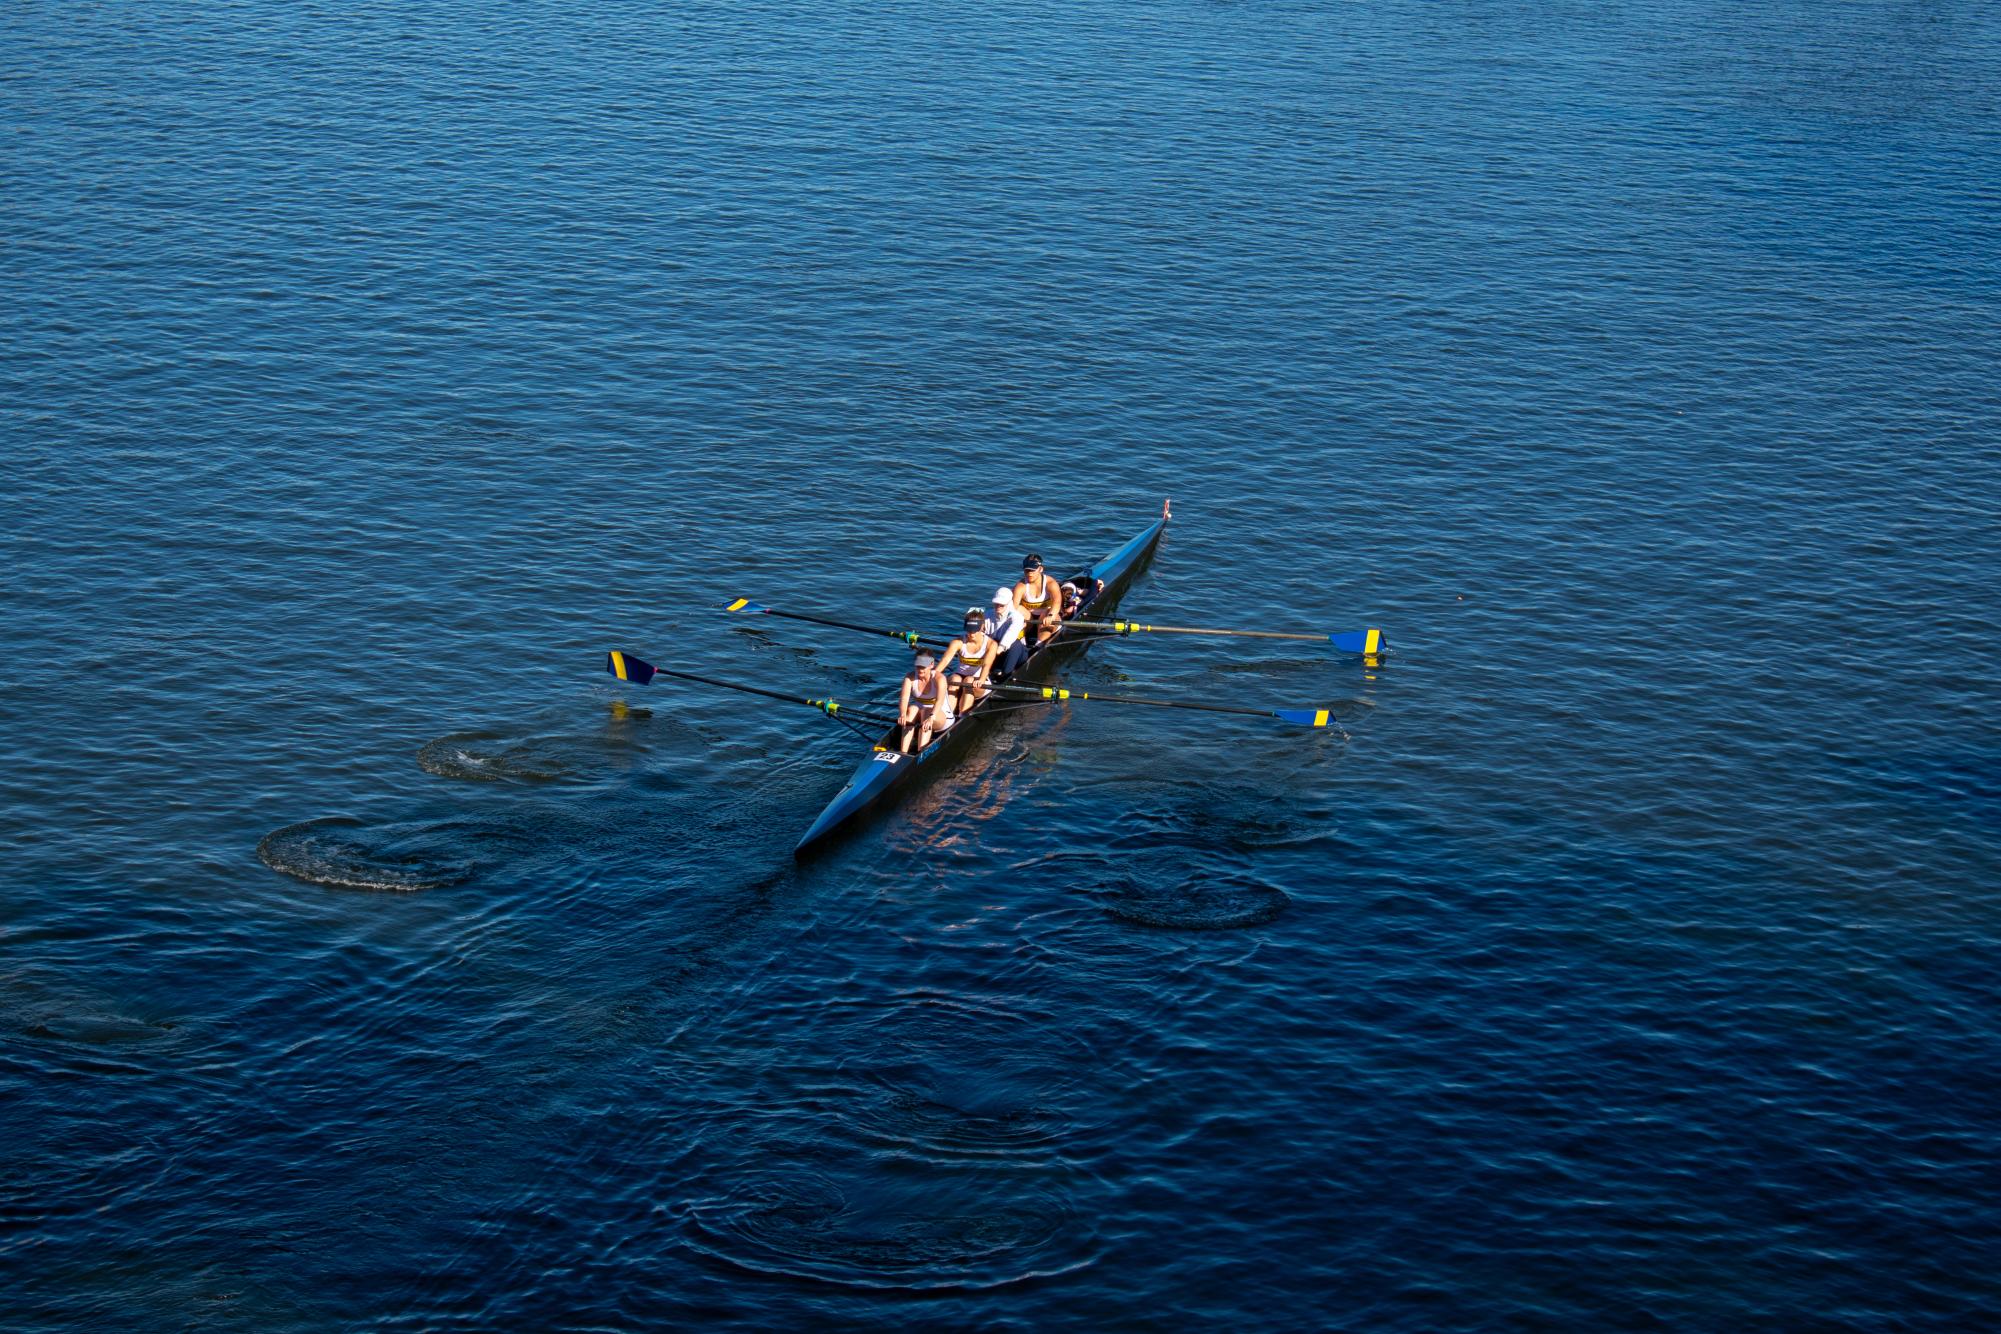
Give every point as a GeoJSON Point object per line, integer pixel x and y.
{"type": "Point", "coordinates": [1304, 717]}
{"type": "Point", "coordinates": [910, 637]}
{"type": "Point", "coordinates": [1368, 642]}
{"type": "Point", "coordinates": [628, 668]}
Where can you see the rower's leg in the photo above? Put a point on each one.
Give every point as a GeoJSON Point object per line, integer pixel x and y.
{"type": "Point", "coordinates": [1009, 661]}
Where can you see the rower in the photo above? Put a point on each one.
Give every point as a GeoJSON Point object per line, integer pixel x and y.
{"type": "Point", "coordinates": [969, 661]}
{"type": "Point", "coordinates": [1038, 599]}
{"type": "Point", "coordinates": [1004, 624]}
{"type": "Point", "coordinates": [924, 706]}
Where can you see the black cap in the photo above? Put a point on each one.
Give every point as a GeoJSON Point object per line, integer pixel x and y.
{"type": "Point", "coordinates": [1031, 561]}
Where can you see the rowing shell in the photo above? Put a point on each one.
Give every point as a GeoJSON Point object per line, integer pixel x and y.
{"type": "Point", "coordinates": [886, 769]}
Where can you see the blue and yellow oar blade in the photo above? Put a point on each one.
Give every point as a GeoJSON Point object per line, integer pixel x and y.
{"type": "Point", "coordinates": [743, 604]}
{"type": "Point", "coordinates": [1369, 642]}
{"type": "Point", "coordinates": [1304, 717]}
{"type": "Point", "coordinates": [628, 668]}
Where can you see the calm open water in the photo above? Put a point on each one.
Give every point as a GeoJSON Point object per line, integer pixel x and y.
{"type": "Point", "coordinates": [368, 958]}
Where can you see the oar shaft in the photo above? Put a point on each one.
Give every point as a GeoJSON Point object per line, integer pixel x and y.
{"type": "Point", "coordinates": [820, 704]}
{"type": "Point", "coordinates": [1127, 627]}
{"type": "Point", "coordinates": [910, 637]}
{"type": "Point", "coordinates": [1057, 693]}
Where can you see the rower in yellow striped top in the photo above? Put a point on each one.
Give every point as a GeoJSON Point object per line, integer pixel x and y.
{"type": "Point", "coordinates": [924, 707]}
{"type": "Point", "coordinates": [968, 661]}
{"type": "Point", "coordinates": [1040, 602]}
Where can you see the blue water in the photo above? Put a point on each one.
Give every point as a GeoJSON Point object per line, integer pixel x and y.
{"type": "Point", "coordinates": [1625, 959]}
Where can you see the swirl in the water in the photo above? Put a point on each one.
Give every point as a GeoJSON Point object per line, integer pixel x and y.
{"type": "Point", "coordinates": [43, 1004]}
{"type": "Point", "coordinates": [488, 757]}
{"type": "Point", "coordinates": [348, 854]}
{"type": "Point", "coordinates": [886, 1232]}
{"type": "Point", "coordinates": [1201, 903]}
{"type": "Point", "coordinates": [941, 1116]}
{"type": "Point", "coordinates": [1209, 818]}
{"type": "Point", "coordinates": [944, 1079]}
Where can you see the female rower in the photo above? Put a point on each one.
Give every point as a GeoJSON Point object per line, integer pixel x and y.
{"type": "Point", "coordinates": [968, 661]}
{"type": "Point", "coordinates": [925, 705]}
{"type": "Point", "coordinates": [1038, 599]}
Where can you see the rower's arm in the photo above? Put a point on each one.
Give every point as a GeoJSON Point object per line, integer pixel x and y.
{"type": "Point", "coordinates": [955, 649]}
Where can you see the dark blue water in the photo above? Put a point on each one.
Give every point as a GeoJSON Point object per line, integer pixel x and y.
{"type": "Point", "coordinates": [1626, 959]}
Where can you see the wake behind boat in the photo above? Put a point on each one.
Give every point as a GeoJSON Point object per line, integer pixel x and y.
{"type": "Point", "coordinates": [890, 767]}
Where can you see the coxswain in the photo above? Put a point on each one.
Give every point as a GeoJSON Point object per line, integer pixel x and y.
{"type": "Point", "coordinates": [925, 706]}
{"type": "Point", "coordinates": [1041, 605]}
{"type": "Point", "coordinates": [969, 661]}
{"type": "Point", "coordinates": [1007, 627]}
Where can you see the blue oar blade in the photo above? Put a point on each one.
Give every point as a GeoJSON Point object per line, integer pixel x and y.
{"type": "Point", "coordinates": [1370, 642]}
{"type": "Point", "coordinates": [743, 604]}
{"type": "Point", "coordinates": [628, 668]}
{"type": "Point", "coordinates": [1304, 717]}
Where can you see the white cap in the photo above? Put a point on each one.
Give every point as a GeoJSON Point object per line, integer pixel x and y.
{"type": "Point", "coordinates": [1003, 596]}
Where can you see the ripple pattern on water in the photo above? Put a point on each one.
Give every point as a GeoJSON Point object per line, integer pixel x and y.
{"type": "Point", "coordinates": [911, 1235]}
{"type": "Point", "coordinates": [346, 853]}
{"type": "Point", "coordinates": [1217, 902]}
{"type": "Point", "coordinates": [490, 757]}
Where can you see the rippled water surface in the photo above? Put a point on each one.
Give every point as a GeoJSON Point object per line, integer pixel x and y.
{"type": "Point", "coordinates": [1623, 959]}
